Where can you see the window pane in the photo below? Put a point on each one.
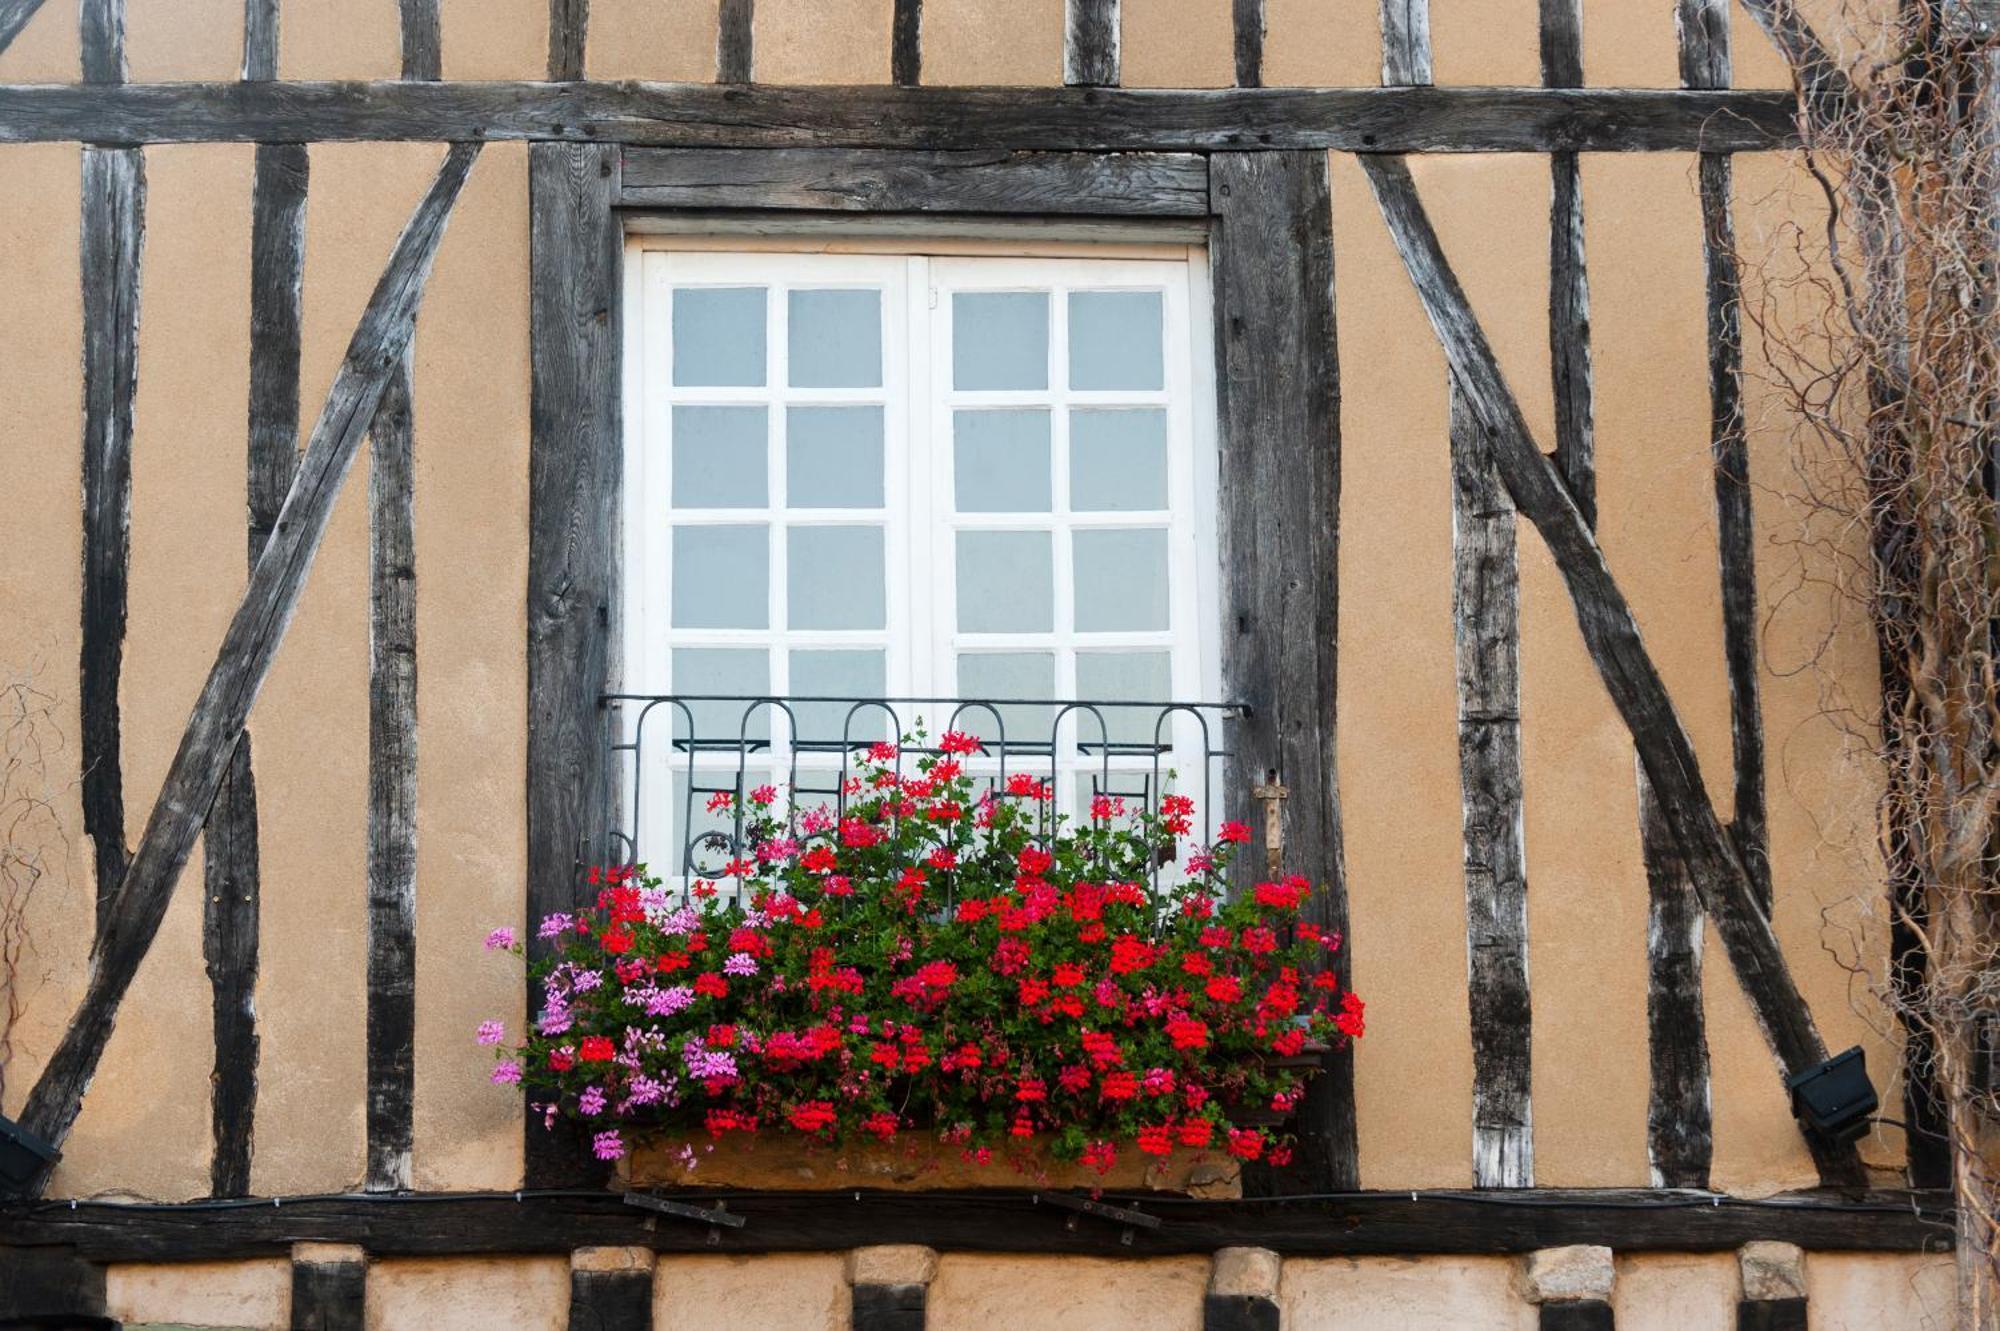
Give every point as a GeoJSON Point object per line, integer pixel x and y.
{"type": "Point", "coordinates": [1006, 582]}
{"type": "Point", "coordinates": [1121, 580]}
{"type": "Point", "coordinates": [844, 674]}
{"type": "Point", "coordinates": [1008, 675]}
{"type": "Point", "coordinates": [834, 339]}
{"type": "Point", "coordinates": [1000, 461]}
{"type": "Point", "coordinates": [699, 839]}
{"type": "Point", "coordinates": [1114, 340]}
{"type": "Point", "coordinates": [833, 457]}
{"type": "Point", "coordinates": [718, 336]}
{"type": "Point", "coordinates": [722, 577]}
{"type": "Point", "coordinates": [1000, 339]}
{"type": "Point", "coordinates": [741, 672]}
{"type": "Point", "coordinates": [719, 457]}
{"type": "Point", "coordinates": [1117, 460]}
{"type": "Point", "coordinates": [1125, 676]}
{"type": "Point", "coordinates": [835, 580]}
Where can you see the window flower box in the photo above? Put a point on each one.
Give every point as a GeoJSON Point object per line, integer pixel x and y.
{"type": "Point", "coordinates": [935, 962]}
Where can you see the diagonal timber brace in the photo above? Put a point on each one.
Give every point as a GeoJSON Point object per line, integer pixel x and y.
{"type": "Point", "coordinates": [244, 658]}
{"type": "Point", "coordinates": [1611, 634]}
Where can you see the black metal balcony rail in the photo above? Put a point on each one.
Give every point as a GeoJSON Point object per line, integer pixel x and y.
{"type": "Point", "coordinates": [808, 745]}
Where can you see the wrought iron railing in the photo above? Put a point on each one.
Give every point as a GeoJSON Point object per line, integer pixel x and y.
{"type": "Point", "coordinates": [672, 752]}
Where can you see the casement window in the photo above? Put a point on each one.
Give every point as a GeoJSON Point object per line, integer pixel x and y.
{"type": "Point", "coordinates": [914, 477]}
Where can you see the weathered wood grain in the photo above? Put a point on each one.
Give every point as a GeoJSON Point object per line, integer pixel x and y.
{"type": "Point", "coordinates": [1569, 335]}
{"type": "Point", "coordinates": [1561, 30]}
{"type": "Point", "coordinates": [1701, 32]}
{"type": "Point", "coordinates": [995, 1220]}
{"type": "Point", "coordinates": [244, 658]}
{"type": "Point", "coordinates": [229, 949]}
{"type": "Point", "coordinates": [111, 250]}
{"type": "Point", "coordinates": [569, 32]}
{"type": "Point", "coordinates": [1240, 1312]}
{"type": "Point", "coordinates": [1406, 43]}
{"type": "Point", "coordinates": [1611, 635]}
{"type": "Point", "coordinates": [260, 39]}
{"type": "Point", "coordinates": [1278, 390]}
{"type": "Point", "coordinates": [1819, 74]}
{"type": "Point", "coordinates": [575, 250]}
{"type": "Point", "coordinates": [1364, 120]}
{"type": "Point", "coordinates": [1091, 43]}
{"type": "Point", "coordinates": [1679, 1122]}
{"type": "Point", "coordinates": [101, 26]}
{"type": "Point", "coordinates": [423, 51]}
{"type": "Point", "coordinates": [735, 42]}
{"type": "Point", "coordinates": [1486, 623]}
{"type": "Point", "coordinates": [613, 1301]}
{"type": "Point", "coordinates": [1247, 41]}
{"type": "Point", "coordinates": [329, 1296]}
{"type": "Point", "coordinates": [14, 16]}
{"type": "Point", "coordinates": [277, 279]}
{"type": "Point", "coordinates": [871, 180]}
{"type": "Point", "coordinates": [906, 43]}
{"type": "Point", "coordinates": [888, 1307]}
{"type": "Point", "coordinates": [392, 788]}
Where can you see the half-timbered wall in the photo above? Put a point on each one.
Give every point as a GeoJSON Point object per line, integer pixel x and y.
{"type": "Point", "coordinates": [149, 1125]}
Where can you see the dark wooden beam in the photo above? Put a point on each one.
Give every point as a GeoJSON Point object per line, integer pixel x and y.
{"type": "Point", "coordinates": [888, 1307]}
{"type": "Point", "coordinates": [102, 32]}
{"type": "Point", "coordinates": [575, 255]}
{"type": "Point", "coordinates": [329, 1295]}
{"type": "Point", "coordinates": [1364, 120]}
{"type": "Point", "coordinates": [14, 16]}
{"type": "Point", "coordinates": [1575, 1315]}
{"type": "Point", "coordinates": [1611, 635]}
{"type": "Point", "coordinates": [1561, 30]}
{"type": "Point", "coordinates": [1406, 43]}
{"type": "Point", "coordinates": [1569, 334]}
{"type": "Point", "coordinates": [997, 1220]}
{"type": "Point", "coordinates": [1486, 623]}
{"type": "Point", "coordinates": [569, 31]}
{"type": "Point", "coordinates": [1820, 76]}
{"type": "Point", "coordinates": [735, 41]}
{"type": "Point", "coordinates": [277, 282]}
{"type": "Point", "coordinates": [423, 53]}
{"type": "Point", "coordinates": [1278, 391]}
{"type": "Point", "coordinates": [906, 44]}
{"type": "Point", "coordinates": [613, 1300]}
{"type": "Point", "coordinates": [1679, 1121]}
{"type": "Point", "coordinates": [260, 39]}
{"type": "Point", "coordinates": [244, 658]}
{"type": "Point", "coordinates": [112, 246]}
{"type": "Point", "coordinates": [392, 788]}
{"type": "Point", "coordinates": [1247, 25]}
{"type": "Point", "coordinates": [889, 181]}
{"type": "Point", "coordinates": [1090, 43]}
{"type": "Point", "coordinates": [1240, 1312]}
{"type": "Point", "coordinates": [40, 1287]}
{"type": "Point", "coordinates": [1771, 1315]}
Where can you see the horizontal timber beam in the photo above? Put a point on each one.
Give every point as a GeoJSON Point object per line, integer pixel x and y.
{"type": "Point", "coordinates": [1514, 1221]}
{"type": "Point", "coordinates": [1095, 119]}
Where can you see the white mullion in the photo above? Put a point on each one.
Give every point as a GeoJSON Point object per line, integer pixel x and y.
{"type": "Point", "coordinates": [777, 372]}
{"type": "Point", "coordinates": [917, 664]}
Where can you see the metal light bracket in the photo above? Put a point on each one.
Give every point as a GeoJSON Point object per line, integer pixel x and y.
{"type": "Point", "coordinates": [1130, 1217]}
{"type": "Point", "coordinates": [717, 1217]}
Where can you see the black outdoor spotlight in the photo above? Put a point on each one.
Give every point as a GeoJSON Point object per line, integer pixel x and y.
{"type": "Point", "coordinates": [24, 1158]}
{"type": "Point", "coordinates": [1835, 1099]}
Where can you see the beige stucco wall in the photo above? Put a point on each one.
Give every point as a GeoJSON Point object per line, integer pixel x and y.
{"type": "Point", "coordinates": [469, 1294]}
{"type": "Point", "coordinates": [1068, 1293]}
{"type": "Point", "coordinates": [807, 1291]}
{"type": "Point", "coordinates": [1437, 1294]}
{"type": "Point", "coordinates": [255, 1296]}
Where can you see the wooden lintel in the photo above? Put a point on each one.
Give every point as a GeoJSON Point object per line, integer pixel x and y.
{"type": "Point", "coordinates": [1365, 120]}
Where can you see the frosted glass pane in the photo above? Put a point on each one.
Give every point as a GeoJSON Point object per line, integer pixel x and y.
{"type": "Point", "coordinates": [1121, 580]}
{"type": "Point", "coordinates": [833, 457]}
{"type": "Point", "coordinates": [1000, 461]}
{"type": "Point", "coordinates": [726, 670]}
{"type": "Point", "coordinates": [1008, 675]}
{"type": "Point", "coordinates": [722, 577]}
{"type": "Point", "coordinates": [1115, 340]}
{"type": "Point", "coordinates": [1127, 676]}
{"type": "Point", "coordinates": [719, 457]}
{"type": "Point", "coordinates": [835, 578]}
{"type": "Point", "coordinates": [1117, 460]}
{"type": "Point", "coordinates": [844, 674]}
{"type": "Point", "coordinates": [1006, 582]}
{"type": "Point", "coordinates": [718, 336]}
{"type": "Point", "coordinates": [834, 339]}
{"type": "Point", "coordinates": [1000, 339]}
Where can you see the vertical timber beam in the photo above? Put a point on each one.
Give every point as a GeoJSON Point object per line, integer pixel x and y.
{"type": "Point", "coordinates": [1090, 43]}
{"type": "Point", "coordinates": [111, 248]}
{"type": "Point", "coordinates": [243, 660]}
{"type": "Point", "coordinates": [735, 41]}
{"type": "Point", "coordinates": [423, 52]}
{"type": "Point", "coordinates": [1406, 43]}
{"type": "Point", "coordinates": [1278, 383]}
{"type": "Point", "coordinates": [260, 40]}
{"type": "Point", "coordinates": [102, 31]}
{"type": "Point", "coordinates": [906, 44]}
{"type": "Point", "coordinates": [1247, 22]}
{"type": "Point", "coordinates": [611, 1289]}
{"type": "Point", "coordinates": [573, 478]}
{"type": "Point", "coordinates": [1611, 636]}
{"type": "Point", "coordinates": [329, 1287]}
{"type": "Point", "coordinates": [1486, 620]}
{"type": "Point", "coordinates": [569, 25]}
{"type": "Point", "coordinates": [1569, 284]}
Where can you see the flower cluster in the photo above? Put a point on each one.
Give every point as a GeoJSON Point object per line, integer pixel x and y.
{"type": "Point", "coordinates": [932, 959]}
